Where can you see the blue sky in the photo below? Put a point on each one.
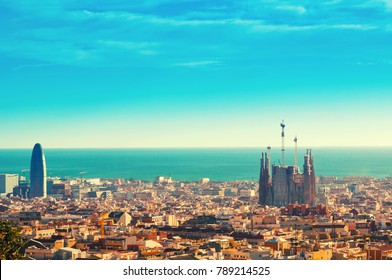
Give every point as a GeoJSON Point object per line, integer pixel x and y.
{"type": "Point", "coordinates": [185, 73]}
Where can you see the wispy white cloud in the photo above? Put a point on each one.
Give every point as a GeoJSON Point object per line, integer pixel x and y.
{"type": "Point", "coordinates": [300, 10]}
{"type": "Point", "coordinates": [332, 2]}
{"type": "Point", "coordinates": [132, 17]}
{"type": "Point", "coordinates": [282, 28]}
{"type": "Point", "coordinates": [364, 63]}
{"type": "Point", "coordinates": [253, 24]}
{"type": "Point", "coordinates": [110, 15]}
{"type": "Point", "coordinates": [194, 64]}
{"type": "Point", "coordinates": [387, 3]}
{"type": "Point", "coordinates": [288, 28]}
{"type": "Point", "coordinates": [79, 33]}
{"type": "Point", "coordinates": [363, 27]}
{"type": "Point", "coordinates": [173, 21]}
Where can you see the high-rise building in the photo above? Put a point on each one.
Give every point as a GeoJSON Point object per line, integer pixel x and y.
{"type": "Point", "coordinates": [8, 182]}
{"type": "Point", "coordinates": [286, 185]}
{"type": "Point", "coordinates": [266, 195]}
{"type": "Point", "coordinates": [38, 172]}
{"type": "Point", "coordinates": [309, 178]}
{"type": "Point", "coordinates": [22, 191]}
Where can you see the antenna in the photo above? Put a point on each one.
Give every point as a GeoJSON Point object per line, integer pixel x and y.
{"type": "Point", "coordinates": [269, 151]}
{"type": "Point", "coordinates": [296, 152]}
{"type": "Point", "coordinates": [282, 126]}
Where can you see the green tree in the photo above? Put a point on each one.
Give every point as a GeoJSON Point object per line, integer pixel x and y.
{"type": "Point", "coordinates": [10, 241]}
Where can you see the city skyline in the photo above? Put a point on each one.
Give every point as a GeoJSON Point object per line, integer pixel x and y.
{"type": "Point", "coordinates": [195, 74]}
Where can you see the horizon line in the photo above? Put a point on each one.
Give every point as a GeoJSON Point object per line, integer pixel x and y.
{"type": "Point", "coordinates": [197, 147]}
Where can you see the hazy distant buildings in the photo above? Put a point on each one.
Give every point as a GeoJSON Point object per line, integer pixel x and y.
{"type": "Point", "coordinates": [203, 181]}
{"type": "Point", "coordinates": [38, 172]}
{"type": "Point", "coordinates": [8, 182]}
{"type": "Point", "coordinates": [163, 180]}
{"type": "Point", "coordinates": [61, 190]}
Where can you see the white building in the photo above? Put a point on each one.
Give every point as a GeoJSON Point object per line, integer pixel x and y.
{"type": "Point", "coordinates": [203, 181]}
{"type": "Point", "coordinates": [171, 220]}
{"type": "Point", "coordinates": [162, 179]}
{"type": "Point", "coordinates": [8, 182]}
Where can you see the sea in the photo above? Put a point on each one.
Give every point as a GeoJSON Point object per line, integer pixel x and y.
{"type": "Point", "coordinates": [190, 164]}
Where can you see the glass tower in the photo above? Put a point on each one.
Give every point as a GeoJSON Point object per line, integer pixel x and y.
{"type": "Point", "coordinates": [38, 172]}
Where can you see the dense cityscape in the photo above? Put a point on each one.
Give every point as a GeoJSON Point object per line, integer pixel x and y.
{"type": "Point", "coordinates": [153, 133]}
{"type": "Point", "coordinates": [287, 215]}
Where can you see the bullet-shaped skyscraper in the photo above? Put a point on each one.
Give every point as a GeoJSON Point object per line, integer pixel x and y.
{"type": "Point", "coordinates": [38, 172]}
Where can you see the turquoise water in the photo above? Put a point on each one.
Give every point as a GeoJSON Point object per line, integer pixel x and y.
{"type": "Point", "coordinates": [218, 164]}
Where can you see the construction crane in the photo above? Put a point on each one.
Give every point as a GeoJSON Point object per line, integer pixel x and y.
{"type": "Point", "coordinates": [296, 152]}
{"type": "Point", "coordinates": [269, 156]}
{"type": "Point", "coordinates": [282, 125]}
{"type": "Point", "coordinates": [81, 175]}
{"type": "Point", "coordinates": [24, 173]}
